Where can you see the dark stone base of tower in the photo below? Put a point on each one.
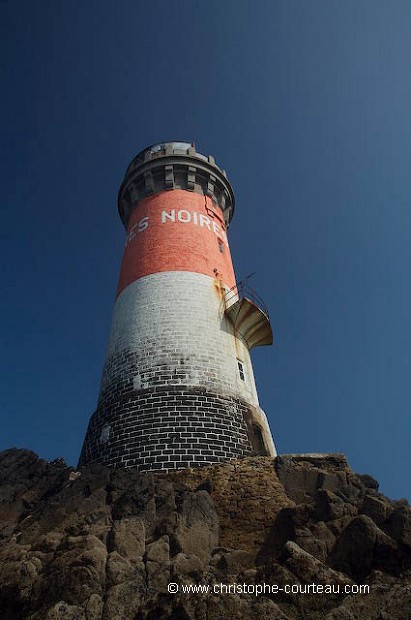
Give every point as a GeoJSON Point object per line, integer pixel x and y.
{"type": "Point", "coordinates": [166, 427]}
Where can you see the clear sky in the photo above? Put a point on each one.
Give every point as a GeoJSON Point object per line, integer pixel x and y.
{"type": "Point", "coordinates": [307, 105]}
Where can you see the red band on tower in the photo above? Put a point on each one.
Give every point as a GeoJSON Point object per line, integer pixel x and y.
{"type": "Point", "coordinates": [176, 231]}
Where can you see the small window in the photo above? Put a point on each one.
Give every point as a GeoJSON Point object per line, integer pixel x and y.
{"type": "Point", "coordinates": [258, 442]}
{"type": "Point", "coordinates": [241, 370]}
{"type": "Point", "coordinates": [220, 245]}
{"type": "Point", "coordinates": [105, 433]}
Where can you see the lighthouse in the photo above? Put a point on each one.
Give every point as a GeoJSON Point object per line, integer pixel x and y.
{"type": "Point", "coordinates": [178, 386]}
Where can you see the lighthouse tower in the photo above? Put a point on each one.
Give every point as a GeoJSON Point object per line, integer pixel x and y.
{"type": "Point", "coordinates": [178, 387]}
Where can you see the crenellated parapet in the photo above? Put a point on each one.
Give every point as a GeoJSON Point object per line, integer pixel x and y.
{"type": "Point", "coordinates": [174, 165]}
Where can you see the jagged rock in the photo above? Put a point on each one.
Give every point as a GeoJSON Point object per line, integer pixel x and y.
{"type": "Point", "coordinates": [278, 574]}
{"type": "Point", "coordinates": [329, 506]}
{"type": "Point", "coordinates": [197, 527]}
{"type": "Point", "coordinates": [386, 600]}
{"type": "Point", "coordinates": [303, 474]}
{"type": "Point", "coordinates": [233, 563]}
{"type": "Point", "coordinates": [119, 570]}
{"type": "Point", "coordinates": [314, 545]}
{"type": "Point", "coordinates": [399, 524]}
{"type": "Point", "coordinates": [49, 542]}
{"type": "Point", "coordinates": [368, 481]}
{"type": "Point", "coordinates": [94, 607]}
{"type": "Point", "coordinates": [158, 564]}
{"type": "Point", "coordinates": [266, 609]}
{"type": "Point", "coordinates": [228, 607]}
{"type": "Point", "coordinates": [63, 611]}
{"type": "Point", "coordinates": [123, 601]}
{"type": "Point", "coordinates": [187, 568]}
{"type": "Point", "coordinates": [308, 569]}
{"type": "Point", "coordinates": [158, 551]}
{"type": "Point", "coordinates": [376, 509]}
{"type": "Point", "coordinates": [127, 537]}
{"type": "Point", "coordinates": [59, 462]}
{"type": "Point", "coordinates": [362, 546]}
{"type": "Point", "coordinates": [79, 570]}
{"type": "Point", "coordinates": [341, 613]}
{"type": "Point", "coordinates": [247, 499]}
{"type": "Point", "coordinates": [323, 534]}
{"type": "Point", "coordinates": [133, 496]}
{"type": "Point", "coordinates": [99, 544]}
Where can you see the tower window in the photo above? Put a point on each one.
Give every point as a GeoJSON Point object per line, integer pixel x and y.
{"type": "Point", "coordinates": [241, 371]}
{"type": "Point", "coordinates": [258, 442]}
{"type": "Point", "coordinates": [104, 435]}
{"type": "Point", "coordinates": [220, 245]}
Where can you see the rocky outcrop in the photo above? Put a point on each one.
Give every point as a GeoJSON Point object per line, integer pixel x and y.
{"type": "Point", "coordinates": [99, 544]}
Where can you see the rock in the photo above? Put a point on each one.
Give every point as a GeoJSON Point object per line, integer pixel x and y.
{"type": "Point", "coordinates": [227, 607]}
{"type": "Point", "coordinates": [63, 611]}
{"type": "Point", "coordinates": [303, 474]}
{"type": "Point", "coordinates": [376, 509]}
{"type": "Point", "coordinates": [158, 551]}
{"type": "Point", "coordinates": [368, 481]}
{"type": "Point", "coordinates": [49, 542]}
{"type": "Point", "coordinates": [399, 525]}
{"type": "Point", "coordinates": [310, 570]}
{"type": "Point", "coordinates": [234, 563]}
{"type": "Point", "coordinates": [185, 568]}
{"type": "Point", "coordinates": [198, 525]}
{"type": "Point", "coordinates": [329, 506]}
{"type": "Point", "coordinates": [94, 607]}
{"type": "Point", "coordinates": [59, 462]}
{"type": "Point", "coordinates": [99, 544]}
{"type": "Point", "coordinates": [321, 532]}
{"type": "Point", "coordinates": [247, 497]}
{"type": "Point", "coordinates": [308, 542]}
{"type": "Point", "coordinates": [127, 537]}
{"type": "Point", "coordinates": [340, 614]}
{"type": "Point", "coordinates": [361, 547]}
{"type": "Point", "coordinates": [158, 564]}
{"type": "Point", "coordinates": [386, 600]}
{"type": "Point", "coordinates": [123, 601]}
{"type": "Point", "coordinates": [119, 569]}
{"type": "Point", "coordinates": [266, 609]}
{"type": "Point", "coordinates": [249, 575]}
{"type": "Point", "coordinates": [132, 496]}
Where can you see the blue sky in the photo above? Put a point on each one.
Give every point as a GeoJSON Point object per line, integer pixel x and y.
{"type": "Point", "coordinates": [307, 106]}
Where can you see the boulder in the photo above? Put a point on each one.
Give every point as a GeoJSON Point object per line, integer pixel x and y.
{"type": "Point", "coordinates": [361, 547]}
{"type": "Point", "coordinates": [197, 528]}
{"type": "Point", "coordinates": [309, 569]}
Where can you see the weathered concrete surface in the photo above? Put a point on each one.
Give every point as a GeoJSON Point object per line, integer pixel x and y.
{"type": "Point", "coordinates": [99, 544]}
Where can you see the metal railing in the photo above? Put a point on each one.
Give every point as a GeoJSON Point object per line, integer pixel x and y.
{"type": "Point", "coordinates": [240, 291]}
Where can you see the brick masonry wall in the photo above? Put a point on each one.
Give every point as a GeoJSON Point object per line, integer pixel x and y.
{"type": "Point", "coordinates": [168, 427]}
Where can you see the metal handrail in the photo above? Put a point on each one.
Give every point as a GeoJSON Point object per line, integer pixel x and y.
{"type": "Point", "coordinates": [242, 290]}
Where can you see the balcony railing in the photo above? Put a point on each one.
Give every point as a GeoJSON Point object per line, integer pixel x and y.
{"type": "Point", "coordinates": [248, 315]}
{"type": "Point", "coordinates": [243, 291]}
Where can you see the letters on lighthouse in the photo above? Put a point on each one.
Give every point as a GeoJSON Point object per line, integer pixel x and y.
{"type": "Point", "coordinates": [178, 215]}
